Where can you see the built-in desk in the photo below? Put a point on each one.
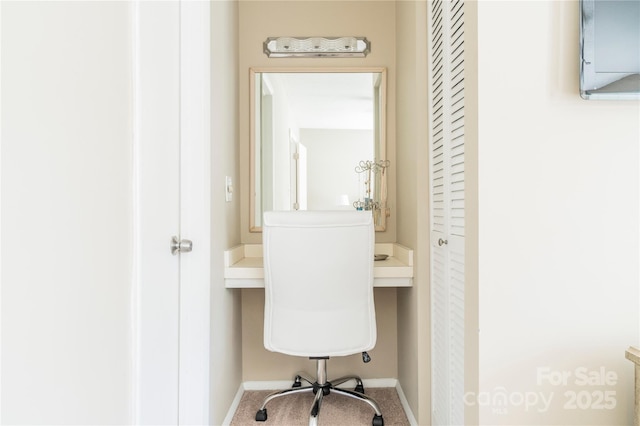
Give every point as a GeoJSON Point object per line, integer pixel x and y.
{"type": "Point", "coordinates": [243, 266]}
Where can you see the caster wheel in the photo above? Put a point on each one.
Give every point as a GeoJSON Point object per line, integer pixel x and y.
{"type": "Point", "coordinates": [314, 411]}
{"type": "Point", "coordinates": [296, 382]}
{"type": "Point", "coordinates": [261, 415]}
{"type": "Point", "coordinates": [377, 421]}
{"type": "Point", "coordinates": [359, 388]}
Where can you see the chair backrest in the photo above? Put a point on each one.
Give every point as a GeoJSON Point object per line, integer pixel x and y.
{"type": "Point", "coordinates": [318, 268]}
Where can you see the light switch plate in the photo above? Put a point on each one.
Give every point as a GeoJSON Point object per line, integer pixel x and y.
{"type": "Point", "coordinates": [228, 189]}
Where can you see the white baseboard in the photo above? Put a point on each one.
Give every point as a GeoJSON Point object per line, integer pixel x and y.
{"type": "Point", "coordinates": [267, 385]}
{"type": "Point", "coordinates": [285, 384]}
{"type": "Point", "coordinates": [234, 406]}
{"type": "Point", "coordinates": [405, 405]}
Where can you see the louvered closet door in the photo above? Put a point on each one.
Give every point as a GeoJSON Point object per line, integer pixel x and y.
{"type": "Point", "coordinates": [446, 95]}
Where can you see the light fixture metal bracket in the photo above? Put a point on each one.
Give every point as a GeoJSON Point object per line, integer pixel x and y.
{"type": "Point", "coordinates": [317, 47]}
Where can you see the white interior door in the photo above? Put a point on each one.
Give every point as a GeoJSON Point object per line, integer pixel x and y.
{"type": "Point", "coordinates": [157, 186]}
{"type": "Point", "coordinates": [195, 212]}
{"type": "Point", "coordinates": [171, 305]}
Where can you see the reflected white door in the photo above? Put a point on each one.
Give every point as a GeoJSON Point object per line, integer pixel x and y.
{"type": "Point", "coordinates": [266, 152]}
{"type": "Point", "coordinates": [298, 175]}
{"type": "Point", "coordinates": [302, 177]}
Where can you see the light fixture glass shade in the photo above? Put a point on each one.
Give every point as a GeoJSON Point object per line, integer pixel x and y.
{"type": "Point", "coordinates": [306, 47]}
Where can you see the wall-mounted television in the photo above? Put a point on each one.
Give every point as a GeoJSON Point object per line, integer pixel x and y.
{"type": "Point", "coordinates": [610, 49]}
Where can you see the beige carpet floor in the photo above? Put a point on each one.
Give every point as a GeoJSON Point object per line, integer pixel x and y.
{"type": "Point", "coordinates": [336, 410]}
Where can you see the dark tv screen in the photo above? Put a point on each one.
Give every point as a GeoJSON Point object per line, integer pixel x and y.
{"type": "Point", "coordinates": [610, 49]}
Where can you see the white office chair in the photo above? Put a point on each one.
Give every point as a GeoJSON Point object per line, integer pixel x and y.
{"type": "Point", "coordinates": [318, 273]}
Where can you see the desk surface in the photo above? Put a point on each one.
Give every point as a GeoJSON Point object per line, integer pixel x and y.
{"type": "Point", "coordinates": [243, 266]}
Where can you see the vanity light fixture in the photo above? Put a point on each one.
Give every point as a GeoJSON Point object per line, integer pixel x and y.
{"type": "Point", "coordinates": [317, 47]}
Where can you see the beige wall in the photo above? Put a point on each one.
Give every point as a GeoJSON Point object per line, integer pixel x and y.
{"type": "Point", "coordinates": [260, 364]}
{"type": "Point", "coordinates": [558, 189]}
{"type": "Point", "coordinates": [412, 200]}
{"type": "Point", "coordinates": [226, 332]}
{"type": "Point", "coordinates": [262, 19]}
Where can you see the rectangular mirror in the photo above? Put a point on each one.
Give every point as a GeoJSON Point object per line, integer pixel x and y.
{"type": "Point", "coordinates": [318, 141]}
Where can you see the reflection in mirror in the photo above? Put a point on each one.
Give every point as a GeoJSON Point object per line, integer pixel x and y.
{"type": "Point", "coordinates": [311, 132]}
